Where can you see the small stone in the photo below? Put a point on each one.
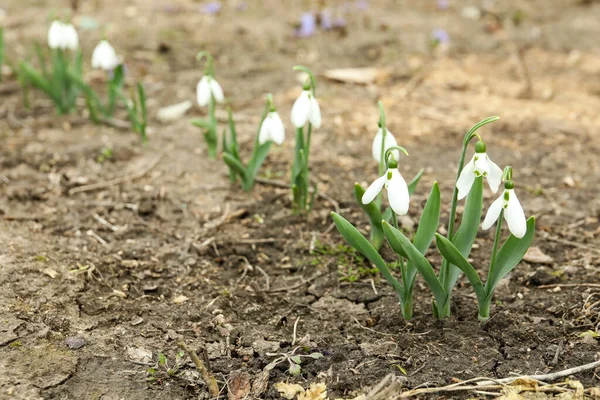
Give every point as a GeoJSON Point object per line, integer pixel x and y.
{"type": "Point", "coordinates": [75, 342]}
{"type": "Point", "coordinates": [536, 256]}
{"type": "Point", "coordinates": [180, 299]}
{"type": "Point", "coordinates": [136, 321]}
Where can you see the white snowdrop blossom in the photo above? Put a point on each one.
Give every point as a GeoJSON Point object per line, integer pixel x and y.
{"type": "Point", "coordinates": [480, 165]}
{"type": "Point", "coordinates": [272, 129]}
{"type": "Point", "coordinates": [62, 36]}
{"type": "Point", "coordinates": [513, 212]}
{"type": "Point", "coordinates": [396, 186]}
{"type": "Point", "coordinates": [105, 57]}
{"type": "Point", "coordinates": [306, 108]}
{"type": "Point", "coordinates": [390, 141]}
{"type": "Point", "coordinates": [206, 88]}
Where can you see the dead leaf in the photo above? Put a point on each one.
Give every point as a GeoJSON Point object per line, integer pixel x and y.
{"type": "Point", "coordinates": [180, 299]}
{"type": "Point", "coordinates": [359, 76]}
{"type": "Point", "coordinates": [50, 272]}
{"type": "Point", "coordinates": [524, 382]}
{"type": "Point", "coordinates": [316, 391]}
{"type": "Point", "coordinates": [139, 354]}
{"type": "Point", "coordinates": [260, 383]}
{"type": "Point", "coordinates": [239, 385]}
{"type": "Point", "coordinates": [288, 390]}
{"type": "Point", "coordinates": [536, 256]}
{"type": "Point", "coordinates": [174, 112]}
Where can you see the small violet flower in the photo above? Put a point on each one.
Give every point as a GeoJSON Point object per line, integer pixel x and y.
{"type": "Point", "coordinates": [306, 108]}
{"type": "Point", "coordinates": [440, 36]}
{"type": "Point", "coordinates": [390, 141]}
{"type": "Point", "coordinates": [396, 186]}
{"type": "Point", "coordinates": [62, 36]}
{"type": "Point", "coordinates": [272, 129]}
{"type": "Point", "coordinates": [206, 88]}
{"type": "Point", "coordinates": [105, 57]}
{"type": "Point", "coordinates": [308, 25]}
{"type": "Point", "coordinates": [442, 4]}
{"type": "Point", "coordinates": [480, 165]}
{"type": "Point", "coordinates": [513, 211]}
{"type": "Point", "coordinates": [211, 8]}
{"type": "Point", "coordinates": [326, 20]}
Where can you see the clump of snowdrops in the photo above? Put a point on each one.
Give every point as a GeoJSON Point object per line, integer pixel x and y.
{"type": "Point", "coordinates": [59, 75]}
{"type": "Point", "coordinates": [455, 246]}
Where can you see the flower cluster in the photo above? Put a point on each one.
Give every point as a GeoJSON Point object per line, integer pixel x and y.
{"type": "Point", "coordinates": [62, 36]}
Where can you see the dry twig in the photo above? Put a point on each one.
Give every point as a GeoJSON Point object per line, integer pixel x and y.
{"type": "Point", "coordinates": [210, 380]}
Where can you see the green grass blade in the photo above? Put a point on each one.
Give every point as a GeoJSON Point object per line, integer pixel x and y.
{"type": "Point", "coordinates": [235, 165]}
{"type": "Point", "coordinates": [510, 254]}
{"type": "Point", "coordinates": [412, 185]}
{"type": "Point", "coordinates": [257, 159]}
{"type": "Point", "coordinates": [364, 247]}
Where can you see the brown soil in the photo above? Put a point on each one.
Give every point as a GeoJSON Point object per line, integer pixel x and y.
{"type": "Point", "coordinates": [110, 266]}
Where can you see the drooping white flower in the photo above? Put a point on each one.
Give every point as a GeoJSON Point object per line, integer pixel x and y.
{"type": "Point", "coordinates": [207, 87]}
{"type": "Point", "coordinates": [105, 57]}
{"type": "Point", "coordinates": [390, 141]}
{"type": "Point", "coordinates": [396, 186]}
{"type": "Point", "coordinates": [306, 108]}
{"type": "Point", "coordinates": [513, 212]}
{"type": "Point", "coordinates": [62, 36]}
{"type": "Point", "coordinates": [480, 165]}
{"type": "Point", "coordinates": [272, 129]}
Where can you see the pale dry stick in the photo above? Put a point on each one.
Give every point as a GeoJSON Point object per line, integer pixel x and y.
{"type": "Point", "coordinates": [105, 223]}
{"type": "Point", "coordinates": [94, 235]}
{"type": "Point", "coordinates": [296, 286]}
{"type": "Point", "coordinates": [546, 377]}
{"type": "Point", "coordinates": [117, 181]}
{"type": "Point", "coordinates": [259, 241]}
{"type": "Point", "coordinates": [295, 330]}
{"type": "Point", "coordinates": [207, 377]}
{"type": "Point", "coordinates": [268, 280]}
{"type": "Point", "coordinates": [592, 285]}
{"type": "Point", "coordinates": [370, 329]}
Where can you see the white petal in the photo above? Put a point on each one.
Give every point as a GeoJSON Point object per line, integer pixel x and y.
{"type": "Point", "coordinates": [104, 56]}
{"type": "Point", "coordinates": [300, 110]}
{"type": "Point", "coordinates": [398, 193]}
{"type": "Point", "coordinates": [216, 90]}
{"type": "Point", "coordinates": [493, 213]}
{"type": "Point", "coordinates": [278, 130]}
{"type": "Point", "coordinates": [266, 129]}
{"type": "Point", "coordinates": [54, 34]}
{"type": "Point", "coordinates": [466, 179]}
{"type": "Point", "coordinates": [203, 92]}
{"type": "Point", "coordinates": [373, 190]}
{"type": "Point", "coordinates": [514, 215]}
{"type": "Point", "coordinates": [315, 112]}
{"type": "Point", "coordinates": [481, 163]}
{"type": "Point", "coordinates": [71, 39]}
{"type": "Point", "coordinates": [495, 176]}
{"type": "Point", "coordinates": [390, 141]}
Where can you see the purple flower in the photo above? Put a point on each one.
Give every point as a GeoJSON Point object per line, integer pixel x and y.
{"type": "Point", "coordinates": [442, 4]}
{"type": "Point", "coordinates": [326, 22]}
{"type": "Point", "coordinates": [308, 25]}
{"type": "Point", "coordinates": [211, 8]}
{"type": "Point", "coordinates": [440, 36]}
{"type": "Point", "coordinates": [362, 5]}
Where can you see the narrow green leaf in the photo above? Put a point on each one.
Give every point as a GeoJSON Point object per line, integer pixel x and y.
{"type": "Point", "coordinates": [364, 247]}
{"type": "Point", "coordinates": [401, 244]}
{"type": "Point", "coordinates": [428, 225]}
{"type": "Point", "coordinates": [510, 254]}
{"type": "Point", "coordinates": [374, 215]}
{"type": "Point", "coordinates": [467, 232]}
{"type": "Point", "coordinates": [235, 165]}
{"type": "Point", "coordinates": [200, 123]}
{"type": "Point", "coordinates": [142, 97]}
{"type": "Point", "coordinates": [257, 159]}
{"type": "Point", "coordinates": [451, 253]}
{"type": "Point", "coordinates": [233, 145]}
{"type": "Point", "coordinates": [412, 185]}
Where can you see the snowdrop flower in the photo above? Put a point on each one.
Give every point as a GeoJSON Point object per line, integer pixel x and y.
{"type": "Point", "coordinates": [306, 109]}
{"type": "Point", "coordinates": [396, 186]}
{"type": "Point", "coordinates": [390, 141]}
{"type": "Point", "coordinates": [272, 129]}
{"type": "Point", "coordinates": [105, 57]}
{"type": "Point", "coordinates": [480, 165]}
{"type": "Point", "coordinates": [62, 36]}
{"type": "Point", "coordinates": [513, 212]}
{"type": "Point", "coordinates": [206, 88]}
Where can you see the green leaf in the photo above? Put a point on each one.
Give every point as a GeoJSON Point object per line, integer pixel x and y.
{"type": "Point", "coordinates": [233, 145]}
{"type": "Point", "coordinates": [142, 97]}
{"type": "Point", "coordinates": [510, 255]}
{"type": "Point", "coordinates": [467, 232]}
{"type": "Point", "coordinates": [400, 244]}
{"type": "Point", "coordinates": [257, 159]}
{"type": "Point", "coordinates": [364, 247]}
{"type": "Point", "coordinates": [294, 369]}
{"type": "Point", "coordinates": [235, 165]}
{"type": "Point", "coordinates": [200, 123]}
{"type": "Point", "coordinates": [428, 225]}
{"type": "Point", "coordinates": [296, 359]}
{"type": "Point", "coordinates": [451, 253]}
{"type": "Point", "coordinates": [374, 215]}
{"type": "Point", "coordinates": [31, 75]}
{"type": "Point", "coordinates": [316, 356]}
{"type": "Point", "coordinates": [412, 185]}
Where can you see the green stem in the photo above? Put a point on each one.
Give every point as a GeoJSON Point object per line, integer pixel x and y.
{"type": "Point", "coordinates": [382, 123]}
{"type": "Point", "coordinates": [495, 249]}
{"type": "Point", "coordinates": [484, 309]}
{"type": "Point", "coordinates": [407, 303]}
{"type": "Point", "coordinates": [211, 134]}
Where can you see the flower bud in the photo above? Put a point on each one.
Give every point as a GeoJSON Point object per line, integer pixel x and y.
{"type": "Point", "coordinates": [480, 147]}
